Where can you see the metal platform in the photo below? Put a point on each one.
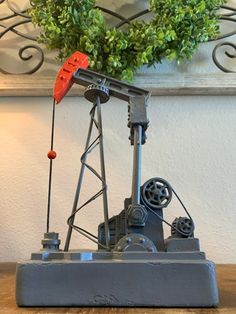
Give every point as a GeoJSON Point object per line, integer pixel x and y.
{"type": "Point", "coordinates": [169, 279]}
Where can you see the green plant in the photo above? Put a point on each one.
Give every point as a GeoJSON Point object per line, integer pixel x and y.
{"type": "Point", "coordinates": [174, 32]}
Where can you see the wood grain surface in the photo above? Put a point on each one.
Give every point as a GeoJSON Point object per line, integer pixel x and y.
{"type": "Point", "coordinates": [226, 282]}
{"type": "Point", "coordinates": [159, 85]}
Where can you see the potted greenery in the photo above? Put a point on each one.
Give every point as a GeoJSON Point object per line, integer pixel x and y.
{"type": "Point", "coordinates": [174, 32]}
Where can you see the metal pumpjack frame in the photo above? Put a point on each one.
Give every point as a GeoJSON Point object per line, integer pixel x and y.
{"type": "Point", "coordinates": [98, 91]}
{"type": "Point", "coordinates": [137, 267]}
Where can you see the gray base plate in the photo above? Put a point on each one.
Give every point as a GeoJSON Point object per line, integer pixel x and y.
{"type": "Point", "coordinates": [121, 281]}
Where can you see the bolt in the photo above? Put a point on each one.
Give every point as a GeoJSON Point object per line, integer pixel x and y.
{"type": "Point", "coordinates": [128, 240]}
{"type": "Point", "coordinates": [137, 214]}
{"type": "Point", "coordinates": [141, 240]}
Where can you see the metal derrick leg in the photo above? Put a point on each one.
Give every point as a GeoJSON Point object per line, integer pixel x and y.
{"type": "Point", "coordinates": [96, 106]}
{"type": "Point", "coordinates": [103, 173]}
{"type": "Point", "coordinates": [80, 180]}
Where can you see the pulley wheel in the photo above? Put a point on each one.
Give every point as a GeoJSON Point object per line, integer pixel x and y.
{"type": "Point", "coordinates": [185, 226]}
{"type": "Point", "coordinates": [156, 193]}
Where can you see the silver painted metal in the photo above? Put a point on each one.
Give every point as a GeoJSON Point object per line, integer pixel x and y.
{"type": "Point", "coordinates": [98, 90]}
{"type": "Point", "coordinates": [51, 242]}
{"type": "Point", "coordinates": [93, 93]}
{"type": "Point", "coordinates": [135, 243]}
{"type": "Point", "coordinates": [128, 279]}
{"type": "Point", "coordinates": [138, 267]}
{"type": "Point", "coordinates": [103, 172]}
{"type": "Point", "coordinates": [80, 180]}
{"type": "Point", "coordinates": [96, 94]}
{"type": "Point", "coordinates": [137, 165]}
{"type": "Point", "coordinates": [156, 193]}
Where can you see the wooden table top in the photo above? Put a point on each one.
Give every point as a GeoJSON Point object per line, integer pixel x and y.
{"type": "Point", "coordinates": [226, 275]}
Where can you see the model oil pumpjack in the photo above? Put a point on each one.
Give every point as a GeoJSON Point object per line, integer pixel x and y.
{"type": "Point", "coordinates": [133, 264]}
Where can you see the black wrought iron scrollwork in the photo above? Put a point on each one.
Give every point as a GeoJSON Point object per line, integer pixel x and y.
{"type": "Point", "coordinates": [12, 29]}
{"type": "Point", "coordinates": [28, 57]}
{"type": "Point", "coordinates": [228, 54]}
{"type": "Point", "coordinates": [230, 16]}
{"type": "Point", "coordinates": [123, 20]}
{"type": "Point", "coordinates": [20, 17]}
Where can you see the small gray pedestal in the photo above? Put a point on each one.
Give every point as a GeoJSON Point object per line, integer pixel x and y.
{"type": "Point", "coordinates": [168, 279]}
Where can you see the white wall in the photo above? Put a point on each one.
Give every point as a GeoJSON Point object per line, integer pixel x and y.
{"type": "Point", "coordinates": [191, 143]}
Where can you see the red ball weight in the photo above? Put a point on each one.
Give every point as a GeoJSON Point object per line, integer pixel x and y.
{"type": "Point", "coordinates": [52, 154]}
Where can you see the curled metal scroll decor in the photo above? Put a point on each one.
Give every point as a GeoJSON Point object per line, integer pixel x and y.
{"type": "Point", "coordinates": [228, 45]}
{"type": "Point", "coordinates": [122, 19]}
{"type": "Point", "coordinates": [229, 15]}
{"type": "Point", "coordinates": [16, 18]}
{"type": "Point", "coordinates": [10, 23]}
{"type": "Point", "coordinates": [28, 57]}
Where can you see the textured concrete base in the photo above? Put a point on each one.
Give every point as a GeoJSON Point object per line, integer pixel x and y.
{"type": "Point", "coordinates": [124, 282]}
